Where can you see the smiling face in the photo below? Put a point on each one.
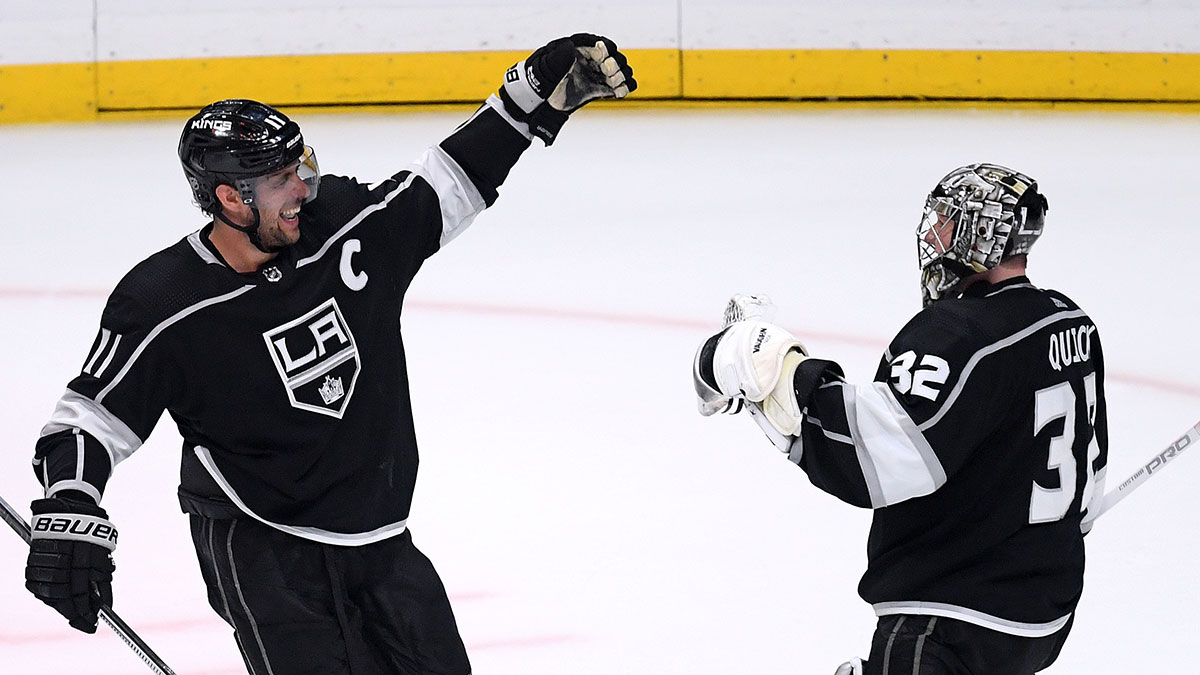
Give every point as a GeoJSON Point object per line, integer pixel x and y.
{"type": "Point", "coordinates": [246, 242]}
{"type": "Point", "coordinates": [278, 197]}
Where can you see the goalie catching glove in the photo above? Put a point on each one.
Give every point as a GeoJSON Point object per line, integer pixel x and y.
{"type": "Point", "coordinates": [70, 567]}
{"type": "Point", "coordinates": [755, 361]}
{"type": "Point", "coordinates": [562, 77]}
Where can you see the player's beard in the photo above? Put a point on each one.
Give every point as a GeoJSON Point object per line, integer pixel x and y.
{"type": "Point", "coordinates": [275, 237]}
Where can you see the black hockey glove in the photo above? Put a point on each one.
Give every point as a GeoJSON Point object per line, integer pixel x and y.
{"type": "Point", "coordinates": [70, 567]}
{"type": "Point", "coordinates": [562, 77]}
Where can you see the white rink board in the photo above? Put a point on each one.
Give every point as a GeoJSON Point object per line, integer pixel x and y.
{"type": "Point", "coordinates": [36, 31]}
{"type": "Point", "coordinates": [145, 29]}
{"type": "Point", "coordinates": [1170, 26]}
{"type": "Point", "coordinates": [33, 31]}
{"type": "Point", "coordinates": [585, 519]}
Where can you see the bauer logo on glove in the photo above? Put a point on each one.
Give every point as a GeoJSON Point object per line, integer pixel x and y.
{"type": "Point", "coordinates": [76, 528]}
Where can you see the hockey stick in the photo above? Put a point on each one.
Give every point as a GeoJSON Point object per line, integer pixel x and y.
{"type": "Point", "coordinates": [1143, 474]}
{"type": "Point", "coordinates": [123, 631]}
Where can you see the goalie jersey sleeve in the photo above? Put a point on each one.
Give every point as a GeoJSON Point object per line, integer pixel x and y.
{"type": "Point", "coordinates": [288, 385]}
{"type": "Point", "coordinates": [980, 445]}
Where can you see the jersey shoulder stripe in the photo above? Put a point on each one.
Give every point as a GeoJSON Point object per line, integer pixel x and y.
{"type": "Point", "coordinates": [992, 348]}
{"type": "Point", "coordinates": [172, 279]}
{"type": "Point", "coordinates": [158, 329]}
{"type": "Point", "coordinates": [401, 182]}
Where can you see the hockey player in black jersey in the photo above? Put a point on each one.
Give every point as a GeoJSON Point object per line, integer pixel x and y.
{"type": "Point", "coordinates": [980, 445]}
{"type": "Point", "coordinates": [272, 337]}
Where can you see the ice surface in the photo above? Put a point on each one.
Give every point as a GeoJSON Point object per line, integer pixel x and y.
{"type": "Point", "coordinates": [584, 518]}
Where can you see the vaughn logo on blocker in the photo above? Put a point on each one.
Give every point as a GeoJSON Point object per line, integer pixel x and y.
{"type": "Point", "coordinates": [317, 359]}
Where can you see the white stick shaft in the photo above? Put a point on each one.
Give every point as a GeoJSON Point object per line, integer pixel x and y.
{"type": "Point", "coordinates": [1150, 468]}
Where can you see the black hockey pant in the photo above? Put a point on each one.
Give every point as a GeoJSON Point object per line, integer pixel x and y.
{"type": "Point", "coordinates": [906, 644]}
{"type": "Point", "coordinates": [299, 607]}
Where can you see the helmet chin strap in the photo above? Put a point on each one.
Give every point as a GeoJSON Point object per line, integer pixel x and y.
{"type": "Point", "coordinates": [251, 231]}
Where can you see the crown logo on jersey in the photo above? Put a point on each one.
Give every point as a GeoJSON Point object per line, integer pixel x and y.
{"type": "Point", "coordinates": [272, 274]}
{"type": "Point", "coordinates": [317, 359]}
{"type": "Point", "coordinates": [332, 389]}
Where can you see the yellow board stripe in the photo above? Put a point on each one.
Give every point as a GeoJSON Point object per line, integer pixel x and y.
{"type": "Point", "coordinates": [1071, 76]}
{"type": "Point", "coordinates": [336, 79]}
{"type": "Point", "coordinates": [46, 93]}
{"type": "Point", "coordinates": [81, 91]}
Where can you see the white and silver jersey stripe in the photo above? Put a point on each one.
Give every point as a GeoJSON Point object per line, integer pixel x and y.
{"type": "Point", "coordinates": [1003, 289]}
{"type": "Point", "coordinates": [1030, 630]}
{"type": "Point", "coordinates": [109, 342]}
{"type": "Point", "coordinates": [82, 486]}
{"type": "Point", "coordinates": [76, 483]}
{"type": "Point", "coordinates": [458, 197]}
{"type": "Point", "coordinates": [358, 218]}
{"type": "Point", "coordinates": [991, 349]}
{"type": "Point", "coordinates": [105, 336]}
{"type": "Point", "coordinates": [311, 533]}
{"type": "Point", "coordinates": [201, 250]}
{"type": "Point", "coordinates": [76, 411]}
{"type": "Point", "coordinates": [897, 462]}
{"type": "Point", "coordinates": [178, 316]}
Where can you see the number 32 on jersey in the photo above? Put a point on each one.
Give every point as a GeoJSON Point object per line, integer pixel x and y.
{"type": "Point", "coordinates": [1047, 505]}
{"type": "Point", "coordinates": [924, 381]}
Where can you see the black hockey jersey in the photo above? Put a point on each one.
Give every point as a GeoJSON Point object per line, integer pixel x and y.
{"type": "Point", "coordinates": [980, 445]}
{"type": "Point", "coordinates": [289, 384]}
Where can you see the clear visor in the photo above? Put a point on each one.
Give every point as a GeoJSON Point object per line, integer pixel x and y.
{"type": "Point", "coordinates": [309, 172]}
{"type": "Point", "coordinates": [306, 170]}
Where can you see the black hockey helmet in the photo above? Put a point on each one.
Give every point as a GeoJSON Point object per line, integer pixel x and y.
{"type": "Point", "coordinates": [231, 142]}
{"type": "Point", "coordinates": [976, 217]}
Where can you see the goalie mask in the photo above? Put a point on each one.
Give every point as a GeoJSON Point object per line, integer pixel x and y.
{"type": "Point", "coordinates": [976, 217]}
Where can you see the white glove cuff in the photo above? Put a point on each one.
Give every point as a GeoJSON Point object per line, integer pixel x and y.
{"type": "Point", "coordinates": [519, 89]}
{"type": "Point", "coordinates": [781, 406]}
{"type": "Point", "coordinates": [74, 527]}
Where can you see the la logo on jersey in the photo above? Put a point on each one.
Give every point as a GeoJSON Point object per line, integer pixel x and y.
{"type": "Point", "coordinates": [317, 359]}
